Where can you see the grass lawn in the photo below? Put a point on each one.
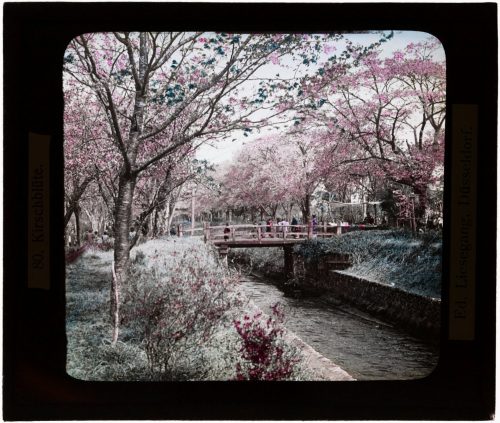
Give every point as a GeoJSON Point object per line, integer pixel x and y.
{"type": "Point", "coordinates": [180, 313]}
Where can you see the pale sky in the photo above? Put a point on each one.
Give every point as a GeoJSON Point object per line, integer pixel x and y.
{"type": "Point", "coordinates": [226, 149]}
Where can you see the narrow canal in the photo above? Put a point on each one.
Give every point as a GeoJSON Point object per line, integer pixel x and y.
{"type": "Point", "coordinates": [365, 347]}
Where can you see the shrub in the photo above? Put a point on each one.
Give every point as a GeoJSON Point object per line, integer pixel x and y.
{"type": "Point", "coordinates": [268, 260]}
{"type": "Point", "coordinates": [179, 308]}
{"type": "Point", "coordinates": [265, 356]}
{"type": "Point", "coordinates": [175, 313]}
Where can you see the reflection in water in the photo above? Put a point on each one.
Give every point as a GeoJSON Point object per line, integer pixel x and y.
{"type": "Point", "coordinates": [365, 347]}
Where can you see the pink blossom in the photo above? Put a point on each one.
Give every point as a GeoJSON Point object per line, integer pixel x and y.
{"type": "Point", "coordinates": [398, 56]}
{"type": "Point", "coordinates": [274, 57]}
{"type": "Point", "coordinates": [327, 48]}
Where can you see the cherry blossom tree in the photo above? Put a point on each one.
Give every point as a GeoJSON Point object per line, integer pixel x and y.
{"type": "Point", "coordinates": [379, 106]}
{"type": "Point", "coordinates": [84, 130]}
{"type": "Point", "coordinates": [161, 92]}
{"type": "Point", "coordinates": [151, 99]}
{"type": "Point", "coordinates": [275, 171]}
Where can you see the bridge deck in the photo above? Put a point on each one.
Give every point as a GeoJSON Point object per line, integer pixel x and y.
{"type": "Point", "coordinates": [255, 243]}
{"type": "Point", "coordinates": [256, 236]}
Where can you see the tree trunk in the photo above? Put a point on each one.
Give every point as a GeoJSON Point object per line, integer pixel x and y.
{"type": "Point", "coordinates": [75, 198]}
{"type": "Point", "coordinates": [123, 217]}
{"type": "Point", "coordinates": [306, 208]}
{"type": "Point", "coordinates": [149, 227]}
{"type": "Point", "coordinates": [92, 219]}
{"type": "Point", "coordinates": [165, 218]}
{"type": "Point", "coordinates": [289, 212]}
{"type": "Point", "coordinates": [192, 210]}
{"type": "Point", "coordinates": [156, 223]}
{"type": "Point", "coordinates": [172, 204]}
{"type": "Point", "coordinates": [77, 224]}
{"type": "Point", "coordinates": [274, 211]}
{"type": "Point", "coordinates": [69, 212]}
{"type": "Point", "coordinates": [421, 206]}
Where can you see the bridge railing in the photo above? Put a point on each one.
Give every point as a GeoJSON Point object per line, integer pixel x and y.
{"type": "Point", "coordinates": [182, 231]}
{"type": "Point", "coordinates": [260, 232]}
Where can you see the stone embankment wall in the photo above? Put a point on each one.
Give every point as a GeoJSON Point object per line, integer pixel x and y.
{"type": "Point", "coordinates": [327, 277]}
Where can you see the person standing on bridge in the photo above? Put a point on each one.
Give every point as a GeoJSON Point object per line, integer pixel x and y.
{"type": "Point", "coordinates": [227, 231]}
{"type": "Point", "coordinates": [280, 225]}
{"type": "Point", "coordinates": [314, 223]}
{"type": "Point", "coordinates": [262, 226]}
{"type": "Point", "coordinates": [270, 227]}
{"type": "Point", "coordinates": [284, 226]}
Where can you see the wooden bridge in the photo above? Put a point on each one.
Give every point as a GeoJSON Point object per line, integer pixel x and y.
{"type": "Point", "coordinates": [258, 236]}
{"type": "Point", "coordinates": [247, 236]}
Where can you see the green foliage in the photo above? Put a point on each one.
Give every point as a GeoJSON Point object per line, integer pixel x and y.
{"type": "Point", "coordinates": [262, 260]}
{"type": "Point", "coordinates": [88, 325]}
{"type": "Point", "coordinates": [394, 257]}
{"type": "Point", "coordinates": [178, 311]}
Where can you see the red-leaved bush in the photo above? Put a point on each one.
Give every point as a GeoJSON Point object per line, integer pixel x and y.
{"type": "Point", "coordinates": [264, 354]}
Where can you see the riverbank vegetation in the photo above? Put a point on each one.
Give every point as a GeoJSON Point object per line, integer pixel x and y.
{"type": "Point", "coordinates": [183, 319]}
{"type": "Point", "coordinates": [393, 257]}
{"type": "Point", "coordinates": [258, 260]}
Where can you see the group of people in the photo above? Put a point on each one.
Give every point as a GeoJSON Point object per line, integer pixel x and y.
{"type": "Point", "coordinates": [278, 226]}
{"type": "Point", "coordinates": [89, 237]}
{"type": "Point", "coordinates": [271, 226]}
{"type": "Point", "coordinates": [275, 227]}
{"type": "Point", "coordinates": [93, 237]}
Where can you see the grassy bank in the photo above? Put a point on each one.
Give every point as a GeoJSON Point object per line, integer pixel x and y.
{"type": "Point", "coordinates": [393, 257]}
{"type": "Point", "coordinates": [183, 318]}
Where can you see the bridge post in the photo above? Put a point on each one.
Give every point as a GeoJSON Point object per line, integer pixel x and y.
{"type": "Point", "coordinates": [223, 251]}
{"type": "Point", "coordinates": [179, 230]}
{"type": "Point", "coordinates": [288, 268]}
{"type": "Point", "coordinates": [259, 234]}
{"type": "Point", "coordinates": [207, 231]}
{"type": "Point", "coordinates": [309, 230]}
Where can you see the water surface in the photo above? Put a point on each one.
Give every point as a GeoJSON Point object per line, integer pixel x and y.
{"type": "Point", "coordinates": [362, 345]}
